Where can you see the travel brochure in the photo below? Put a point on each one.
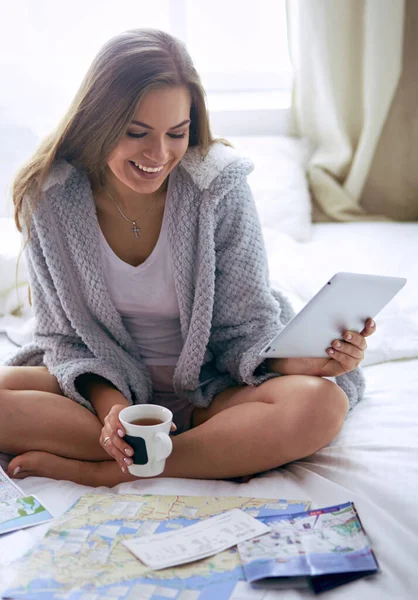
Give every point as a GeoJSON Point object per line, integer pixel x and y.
{"type": "Point", "coordinates": [325, 547]}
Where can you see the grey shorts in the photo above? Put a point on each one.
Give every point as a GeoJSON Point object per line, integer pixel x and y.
{"type": "Point", "coordinates": [164, 395]}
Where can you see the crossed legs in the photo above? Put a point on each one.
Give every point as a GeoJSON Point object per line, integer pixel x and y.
{"type": "Point", "coordinates": [244, 431]}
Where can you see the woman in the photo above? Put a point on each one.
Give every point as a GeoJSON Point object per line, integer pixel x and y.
{"type": "Point", "coordinates": [149, 284]}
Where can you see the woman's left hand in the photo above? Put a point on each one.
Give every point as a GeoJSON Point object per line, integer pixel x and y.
{"type": "Point", "coordinates": [346, 354]}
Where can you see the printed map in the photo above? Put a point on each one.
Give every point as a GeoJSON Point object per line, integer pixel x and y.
{"type": "Point", "coordinates": [17, 510]}
{"type": "Point", "coordinates": [8, 490]}
{"type": "Point", "coordinates": [82, 557]}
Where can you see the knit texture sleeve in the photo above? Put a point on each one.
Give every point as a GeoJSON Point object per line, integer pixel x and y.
{"type": "Point", "coordinates": [354, 385]}
{"type": "Point", "coordinates": [55, 343]}
{"type": "Point", "coordinates": [246, 313]}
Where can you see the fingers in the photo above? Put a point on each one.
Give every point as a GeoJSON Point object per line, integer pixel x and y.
{"type": "Point", "coordinates": [369, 329]}
{"type": "Point", "coordinates": [348, 363]}
{"type": "Point", "coordinates": [115, 446]}
{"type": "Point", "coordinates": [349, 349]}
{"type": "Point", "coordinates": [348, 353]}
{"type": "Point", "coordinates": [353, 339]}
{"type": "Point", "coordinates": [353, 346]}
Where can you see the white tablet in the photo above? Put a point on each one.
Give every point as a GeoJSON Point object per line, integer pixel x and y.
{"type": "Point", "coordinates": [344, 303]}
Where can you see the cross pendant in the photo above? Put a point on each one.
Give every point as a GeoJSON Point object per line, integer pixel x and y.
{"type": "Point", "coordinates": [135, 230]}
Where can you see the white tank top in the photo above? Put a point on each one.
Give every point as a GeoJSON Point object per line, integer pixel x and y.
{"type": "Point", "coordinates": [146, 299]}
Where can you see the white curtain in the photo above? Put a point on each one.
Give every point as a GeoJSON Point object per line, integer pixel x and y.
{"type": "Point", "coordinates": [347, 57]}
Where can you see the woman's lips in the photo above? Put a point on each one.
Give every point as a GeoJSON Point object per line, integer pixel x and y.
{"type": "Point", "coordinates": [145, 174]}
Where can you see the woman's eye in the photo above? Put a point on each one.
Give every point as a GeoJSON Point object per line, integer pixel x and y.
{"type": "Point", "coordinates": [175, 136]}
{"type": "Point", "coordinates": [136, 135]}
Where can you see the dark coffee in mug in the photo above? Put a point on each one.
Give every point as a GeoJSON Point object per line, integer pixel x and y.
{"type": "Point", "coordinates": [147, 421]}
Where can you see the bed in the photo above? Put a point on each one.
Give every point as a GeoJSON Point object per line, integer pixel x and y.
{"type": "Point", "coordinates": [372, 462]}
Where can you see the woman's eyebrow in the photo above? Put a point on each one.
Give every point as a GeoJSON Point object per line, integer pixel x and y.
{"type": "Point", "coordinates": [149, 127]}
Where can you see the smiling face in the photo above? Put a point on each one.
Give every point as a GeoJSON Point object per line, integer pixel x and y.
{"type": "Point", "coordinates": [154, 143]}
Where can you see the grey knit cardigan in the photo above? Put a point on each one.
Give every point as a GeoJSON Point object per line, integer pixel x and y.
{"type": "Point", "coordinates": [228, 312]}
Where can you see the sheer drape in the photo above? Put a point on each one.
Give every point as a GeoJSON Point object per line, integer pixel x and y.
{"type": "Point", "coordinates": [347, 57]}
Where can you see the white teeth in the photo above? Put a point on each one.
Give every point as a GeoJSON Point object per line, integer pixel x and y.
{"type": "Point", "coordinates": [148, 169]}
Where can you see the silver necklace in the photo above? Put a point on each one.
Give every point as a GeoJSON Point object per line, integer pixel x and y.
{"type": "Point", "coordinates": [135, 228]}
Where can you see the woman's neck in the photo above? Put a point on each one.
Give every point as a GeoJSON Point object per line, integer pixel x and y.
{"type": "Point", "coordinates": [128, 200]}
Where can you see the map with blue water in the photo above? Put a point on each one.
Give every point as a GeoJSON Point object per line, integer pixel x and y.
{"type": "Point", "coordinates": [18, 510]}
{"type": "Point", "coordinates": [82, 556]}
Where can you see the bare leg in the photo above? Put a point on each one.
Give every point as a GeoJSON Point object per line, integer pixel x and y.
{"type": "Point", "coordinates": [34, 415]}
{"type": "Point", "coordinates": [245, 431]}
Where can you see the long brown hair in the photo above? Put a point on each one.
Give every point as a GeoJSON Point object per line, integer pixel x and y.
{"type": "Point", "coordinates": [124, 70]}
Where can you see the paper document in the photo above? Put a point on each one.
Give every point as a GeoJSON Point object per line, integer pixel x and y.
{"type": "Point", "coordinates": [197, 541]}
{"type": "Point", "coordinates": [17, 509]}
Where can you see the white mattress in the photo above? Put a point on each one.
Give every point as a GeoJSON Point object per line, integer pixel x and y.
{"type": "Point", "coordinates": [373, 461]}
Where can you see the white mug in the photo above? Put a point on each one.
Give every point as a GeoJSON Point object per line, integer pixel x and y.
{"type": "Point", "coordinates": [151, 443]}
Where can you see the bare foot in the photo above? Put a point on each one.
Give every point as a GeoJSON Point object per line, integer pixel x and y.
{"type": "Point", "coordinates": [44, 464]}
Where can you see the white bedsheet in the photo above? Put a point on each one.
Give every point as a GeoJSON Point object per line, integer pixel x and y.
{"type": "Point", "coordinates": [372, 462]}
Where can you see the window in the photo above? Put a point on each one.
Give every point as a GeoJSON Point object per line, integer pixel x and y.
{"type": "Point", "coordinates": [239, 46]}
{"type": "Point", "coordinates": [240, 49]}
{"type": "Point", "coordinates": [47, 46]}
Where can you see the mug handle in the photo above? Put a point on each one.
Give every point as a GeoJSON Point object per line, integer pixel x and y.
{"type": "Point", "coordinates": [164, 446]}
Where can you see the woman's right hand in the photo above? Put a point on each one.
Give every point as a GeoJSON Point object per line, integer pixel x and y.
{"type": "Point", "coordinates": [111, 438]}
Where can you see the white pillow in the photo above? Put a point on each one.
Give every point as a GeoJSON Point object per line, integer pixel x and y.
{"type": "Point", "coordinates": [17, 143]}
{"type": "Point", "coordinates": [279, 182]}
{"type": "Point", "coordinates": [10, 246]}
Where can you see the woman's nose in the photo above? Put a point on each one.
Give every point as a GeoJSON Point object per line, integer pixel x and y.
{"type": "Point", "coordinates": [156, 151]}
